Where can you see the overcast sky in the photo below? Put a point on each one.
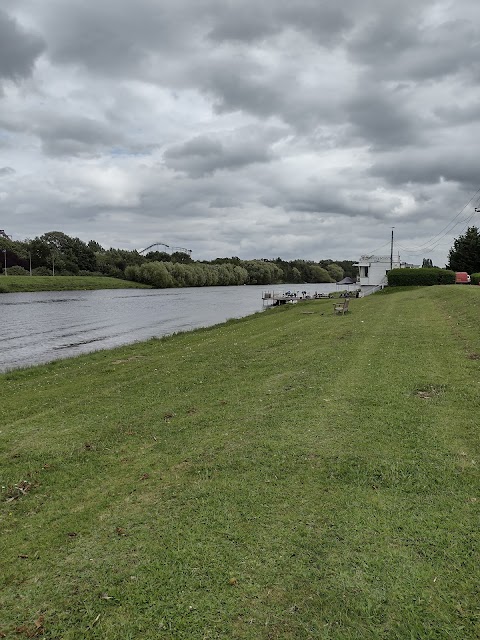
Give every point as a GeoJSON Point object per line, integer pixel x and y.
{"type": "Point", "coordinates": [300, 129]}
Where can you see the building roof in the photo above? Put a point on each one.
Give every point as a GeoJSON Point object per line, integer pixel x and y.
{"type": "Point", "coordinates": [347, 281]}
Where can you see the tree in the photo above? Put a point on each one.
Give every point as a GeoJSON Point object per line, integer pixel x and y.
{"type": "Point", "coordinates": [465, 253]}
{"type": "Point", "coordinates": [335, 271]}
{"type": "Point", "coordinates": [320, 275]}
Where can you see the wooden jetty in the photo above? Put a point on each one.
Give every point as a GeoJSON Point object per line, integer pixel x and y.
{"type": "Point", "coordinates": [275, 299]}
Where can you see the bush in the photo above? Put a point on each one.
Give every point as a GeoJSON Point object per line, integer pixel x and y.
{"type": "Point", "coordinates": [42, 271]}
{"type": "Point", "coordinates": [17, 271]}
{"type": "Point", "coordinates": [475, 278]}
{"type": "Point", "coordinates": [420, 277]}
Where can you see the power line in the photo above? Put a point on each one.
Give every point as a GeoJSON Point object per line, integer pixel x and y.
{"type": "Point", "coordinates": [435, 240]}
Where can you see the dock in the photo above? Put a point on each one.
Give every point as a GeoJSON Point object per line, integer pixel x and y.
{"type": "Point", "coordinates": [275, 299]}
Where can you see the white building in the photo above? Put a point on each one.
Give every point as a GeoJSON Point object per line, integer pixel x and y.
{"type": "Point", "coordinates": [373, 269]}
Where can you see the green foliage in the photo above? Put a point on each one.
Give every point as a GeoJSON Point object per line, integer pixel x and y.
{"type": "Point", "coordinates": [317, 274]}
{"type": "Point", "coordinates": [475, 278]}
{"type": "Point", "coordinates": [17, 271]}
{"type": "Point", "coordinates": [180, 256]}
{"type": "Point", "coordinates": [263, 272]}
{"type": "Point", "coordinates": [158, 256]}
{"type": "Point", "coordinates": [420, 277]}
{"type": "Point", "coordinates": [335, 271]}
{"type": "Point", "coordinates": [41, 271]}
{"type": "Point", "coordinates": [72, 256]}
{"type": "Point", "coordinates": [465, 253]}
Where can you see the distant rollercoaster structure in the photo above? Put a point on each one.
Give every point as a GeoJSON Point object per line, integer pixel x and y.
{"type": "Point", "coordinates": [167, 246]}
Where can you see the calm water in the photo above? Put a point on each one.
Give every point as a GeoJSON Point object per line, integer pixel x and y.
{"type": "Point", "coordinates": [44, 326]}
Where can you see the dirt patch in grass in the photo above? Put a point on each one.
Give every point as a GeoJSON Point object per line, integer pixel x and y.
{"type": "Point", "coordinates": [429, 391]}
{"type": "Point", "coordinates": [17, 491]}
{"type": "Point", "coordinates": [128, 359]}
{"type": "Point", "coordinates": [473, 356]}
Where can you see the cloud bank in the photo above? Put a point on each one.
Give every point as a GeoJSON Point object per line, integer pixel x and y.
{"type": "Point", "coordinates": [296, 130]}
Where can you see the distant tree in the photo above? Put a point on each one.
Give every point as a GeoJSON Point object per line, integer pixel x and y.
{"type": "Point", "coordinates": [158, 256]}
{"type": "Point", "coordinates": [335, 271]}
{"type": "Point", "coordinates": [181, 257]}
{"type": "Point", "coordinates": [70, 254]}
{"type": "Point", "coordinates": [465, 253]}
{"type": "Point", "coordinates": [427, 263]}
{"type": "Point", "coordinates": [17, 271]}
{"type": "Point", "coordinates": [320, 275]}
{"type": "Point", "coordinates": [296, 276]}
{"type": "Point", "coordinates": [95, 246]}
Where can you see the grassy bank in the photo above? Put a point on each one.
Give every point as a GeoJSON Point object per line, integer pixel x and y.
{"type": "Point", "coordinates": [291, 475]}
{"type": "Point", "coordinates": [12, 284]}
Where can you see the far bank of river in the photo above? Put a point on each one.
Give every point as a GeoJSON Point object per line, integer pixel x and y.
{"type": "Point", "coordinates": [39, 327]}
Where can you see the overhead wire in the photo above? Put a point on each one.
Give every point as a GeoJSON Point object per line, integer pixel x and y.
{"type": "Point", "coordinates": [435, 240]}
{"type": "Point", "coordinates": [371, 253]}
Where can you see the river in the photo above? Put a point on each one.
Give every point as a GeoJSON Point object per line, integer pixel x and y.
{"type": "Point", "coordinates": [43, 326]}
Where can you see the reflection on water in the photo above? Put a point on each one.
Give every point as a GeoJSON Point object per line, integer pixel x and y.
{"type": "Point", "coordinates": [43, 326]}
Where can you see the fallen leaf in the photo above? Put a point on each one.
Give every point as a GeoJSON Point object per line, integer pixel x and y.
{"type": "Point", "coordinates": [121, 531]}
{"type": "Point", "coordinates": [145, 476]}
{"type": "Point", "coordinates": [39, 622]}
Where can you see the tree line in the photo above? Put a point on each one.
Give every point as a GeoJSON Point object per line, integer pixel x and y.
{"type": "Point", "coordinates": [56, 253]}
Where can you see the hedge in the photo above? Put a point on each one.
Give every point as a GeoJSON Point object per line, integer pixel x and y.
{"type": "Point", "coordinates": [420, 277]}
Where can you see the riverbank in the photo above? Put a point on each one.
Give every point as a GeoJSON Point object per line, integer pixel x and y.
{"type": "Point", "coordinates": [16, 284]}
{"type": "Point", "coordinates": [290, 475]}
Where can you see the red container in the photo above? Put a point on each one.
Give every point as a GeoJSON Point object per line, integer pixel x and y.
{"type": "Point", "coordinates": [462, 277]}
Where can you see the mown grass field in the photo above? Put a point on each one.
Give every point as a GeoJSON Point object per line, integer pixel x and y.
{"type": "Point", "coordinates": [13, 284]}
{"type": "Point", "coordinates": [291, 475]}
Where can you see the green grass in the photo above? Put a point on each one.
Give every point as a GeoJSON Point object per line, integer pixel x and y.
{"type": "Point", "coordinates": [291, 475]}
{"type": "Point", "coordinates": [13, 284]}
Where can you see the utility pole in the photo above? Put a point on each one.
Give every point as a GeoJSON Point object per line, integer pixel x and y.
{"type": "Point", "coordinates": [391, 251]}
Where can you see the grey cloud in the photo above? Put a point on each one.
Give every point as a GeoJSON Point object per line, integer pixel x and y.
{"type": "Point", "coordinates": [76, 136]}
{"type": "Point", "coordinates": [206, 154]}
{"type": "Point", "coordinates": [313, 118]}
{"type": "Point", "coordinates": [251, 21]}
{"type": "Point", "coordinates": [429, 166]}
{"type": "Point", "coordinates": [81, 136]}
{"type": "Point", "coordinates": [400, 45]}
{"type": "Point", "coordinates": [113, 37]}
{"type": "Point", "coordinates": [382, 120]}
{"type": "Point", "coordinates": [18, 49]}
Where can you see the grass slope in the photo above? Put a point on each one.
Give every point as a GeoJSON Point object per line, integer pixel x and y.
{"type": "Point", "coordinates": [290, 475]}
{"type": "Point", "coordinates": [15, 284]}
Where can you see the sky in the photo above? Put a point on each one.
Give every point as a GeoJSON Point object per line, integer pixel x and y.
{"type": "Point", "coordinates": [301, 129]}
